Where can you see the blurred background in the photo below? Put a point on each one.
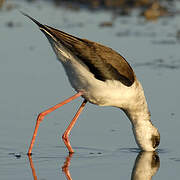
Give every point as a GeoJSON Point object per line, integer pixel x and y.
{"type": "Point", "coordinates": [145, 32]}
{"type": "Point", "coordinates": [150, 9]}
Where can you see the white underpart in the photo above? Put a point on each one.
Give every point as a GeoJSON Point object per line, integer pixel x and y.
{"type": "Point", "coordinates": [110, 93]}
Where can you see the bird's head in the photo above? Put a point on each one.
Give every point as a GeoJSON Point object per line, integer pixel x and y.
{"type": "Point", "coordinates": [147, 136]}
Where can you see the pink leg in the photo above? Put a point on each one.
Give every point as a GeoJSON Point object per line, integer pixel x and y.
{"type": "Point", "coordinates": [65, 136]}
{"type": "Point", "coordinates": [44, 113]}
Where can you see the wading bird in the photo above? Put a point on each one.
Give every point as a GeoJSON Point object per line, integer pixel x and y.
{"type": "Point", "coordinates": [102, 77]}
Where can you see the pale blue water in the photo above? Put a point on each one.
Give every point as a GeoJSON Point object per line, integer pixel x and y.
{"type": "Point", "coordinates": [32, 80]}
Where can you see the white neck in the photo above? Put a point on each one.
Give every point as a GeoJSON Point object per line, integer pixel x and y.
{"type": "Point", "coordinates": [138, 111]}
{"type": "Point", "coordinates": [146, 135]}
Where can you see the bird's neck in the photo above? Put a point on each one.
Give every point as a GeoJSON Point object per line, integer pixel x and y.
{"type": "Point", "coordinates": [138, 115]}
{"type": "Point", "coordinates": [146, 134]}
{"type": "Point", "coordinates": [138, 112]}
{"type": "Point", "coordinates": [141, 125]}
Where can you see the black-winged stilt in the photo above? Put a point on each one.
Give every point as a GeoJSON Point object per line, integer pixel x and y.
{"type": "Point", "coordinates": [102, 77]}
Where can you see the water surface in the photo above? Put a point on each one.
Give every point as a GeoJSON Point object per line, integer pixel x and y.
{"type": "Point", "coordinates": [33, 80]}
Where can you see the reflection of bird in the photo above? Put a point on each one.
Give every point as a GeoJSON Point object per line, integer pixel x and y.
{"type": "Point", "coordinates": [103, 77]}
{"type": "Point", "coordinates": [146, 165]}
{"type": "Point", "coordinates": [65, 167]}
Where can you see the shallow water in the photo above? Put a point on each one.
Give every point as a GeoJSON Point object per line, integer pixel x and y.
{"type": "Point", "coordinates": [32, 80]}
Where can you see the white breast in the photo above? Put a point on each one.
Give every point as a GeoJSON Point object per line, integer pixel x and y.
{"type": "Point", "coordinates": [103, 93]}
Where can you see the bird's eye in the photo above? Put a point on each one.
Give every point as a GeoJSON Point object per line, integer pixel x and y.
{"type": "Point", "coordinates": [155, 141]}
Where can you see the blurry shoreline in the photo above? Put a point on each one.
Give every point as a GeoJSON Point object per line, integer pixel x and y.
{"type": "Point", "coordinates": [150, 9]}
